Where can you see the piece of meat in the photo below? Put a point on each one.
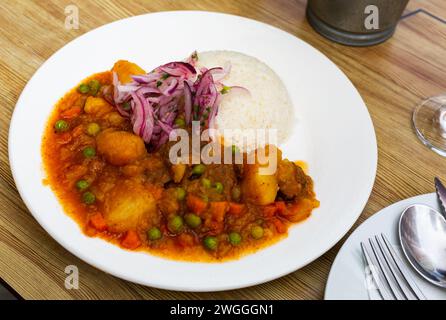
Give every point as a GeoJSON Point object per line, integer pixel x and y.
{"type": "Point", "coordinates": [168, 203]}
{"type": "Point", "coordinates": [156, 170]}
{"type": "Point", "coordinates": [291, 178]}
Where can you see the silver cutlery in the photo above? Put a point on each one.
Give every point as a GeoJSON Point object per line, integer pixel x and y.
{"type": "Point", "coordinates": [422, 232]}
{"type": "Point", "coordinates": [389, 273]}
{"type": "Point", "coordinates": [441, 195]}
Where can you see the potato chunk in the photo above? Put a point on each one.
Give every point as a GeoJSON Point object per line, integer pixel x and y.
{"type": "Point", "coordinates": [120, 147]}
{"type": "Point", "coordinates": [258, 188]}
{"type": "Point", "coordinates": [126, 69]}
{"type": "Point", "coordinates": [127, 206]}
{"type": "Point", "coordinates": [97, 106]}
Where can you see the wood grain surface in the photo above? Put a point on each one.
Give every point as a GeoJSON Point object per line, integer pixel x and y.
{"type": "Point", "coordinates": [392, 78]}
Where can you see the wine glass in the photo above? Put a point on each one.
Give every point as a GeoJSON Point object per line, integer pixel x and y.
{"type": "Point", "coordinates": [429, 121]}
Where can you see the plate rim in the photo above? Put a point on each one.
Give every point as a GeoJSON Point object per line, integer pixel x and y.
{"type": "Point", "coordinates": [79, 254]}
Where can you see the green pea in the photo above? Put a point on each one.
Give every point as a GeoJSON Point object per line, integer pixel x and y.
{"type": "Point", "coordinates": [235, 238]}
{"type": "Point", "coordinates": [257, 232]}
{"type": "Point", "coordinates": [83, 88]}
{"type": "Point", "coordinates": [198, 169]}
{"type": "Point", "coordinates": [93, 129]}
{"type": "Point", "coordinates": [88, 198]}
{"type": "Point", "coordinates": [206, 183]}
{"type": "Point", "coordinates": [235, 149]}
{"type": "Point", "coordinates": [192, 220]}
{"type": "Point", "coordinates": [82, 184]}
{"type": "Point", "coordinates": [179, 122]}
{"type": "Point", "coordinates": [154, 233]}
{"type": "Point", "coordinates": [89, 152]}
{"type": "Point", "coordinates": [175, 224]}
{"type": "Point", "coordinates": [218, 187]}
{"type": "Point", "coordinates": [181, 194]}
{"type": "Point", "coordinates": [210, 243]}
{"type": "Point", "coordinates": [94, 86]}
{"type": "Point", "coordinates": [126, 106]}
{"type": "Point", "coordinates": [61, 126]}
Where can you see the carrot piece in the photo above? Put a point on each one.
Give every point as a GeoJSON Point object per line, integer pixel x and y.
{"type": "Point", "coordinates": [218, 208]}
{"type": "Point", "coordinates": [73, 112]}
{"type": "Point", "coordinates": [186, 240]}
{"type": "Point", "coordinates": [131, 240]}
{"type": "Point", "coordinates": [78, 131]}
{"type": "Point", "coordinates": [299, 211]}
{"type": "Point", "coordinates": [217, 212]}
{"type": "Point", "coordinates": [280, 226]}
{"type": "Point", "coordinates": [236, 208]}
{"type": "Point", "coordinates": [90, 231]}
{"type": "Point", "coordinates": [281, 207]}
{"type": "Point", "coordinates": [196, 204]}
{"type": "Point", "coordinates": [64, 138]}
{"type": "Point", "coordinates": [269, 210]}
{"type": "Point", "coordinates": [98, 222]}
{"type": "Point", "coordinates": [156, 191]}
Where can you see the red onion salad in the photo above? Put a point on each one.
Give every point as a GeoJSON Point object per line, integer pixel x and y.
{"type": "Point", "coordinates": [153, 101]}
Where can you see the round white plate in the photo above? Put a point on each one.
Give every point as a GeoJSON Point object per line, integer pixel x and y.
{"type": "Point", "coordinates": [334, 135]}
{"type": "Point", "coordinates": [347, 279]}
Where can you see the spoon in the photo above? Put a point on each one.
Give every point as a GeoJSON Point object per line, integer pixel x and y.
{"type": "Point", "coordinates": [422, 232]}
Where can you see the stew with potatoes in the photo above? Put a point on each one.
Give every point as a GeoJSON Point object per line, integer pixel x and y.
{"type": "Point", "coordinates": [119, 189]}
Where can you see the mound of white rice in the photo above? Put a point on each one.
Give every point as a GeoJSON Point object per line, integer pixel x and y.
{"type": "Point", "coordinates": [268, 107]}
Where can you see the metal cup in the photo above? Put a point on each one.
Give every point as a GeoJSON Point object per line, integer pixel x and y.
{"type": "Point", "coordinates": [355, 22]}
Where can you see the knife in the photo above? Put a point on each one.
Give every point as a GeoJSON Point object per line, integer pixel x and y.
{"type": "Point", "coordinates": [441, 195]}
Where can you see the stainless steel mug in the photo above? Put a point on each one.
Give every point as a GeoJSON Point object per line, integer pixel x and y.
{"type": "Point", "coordinates": [355, 22]}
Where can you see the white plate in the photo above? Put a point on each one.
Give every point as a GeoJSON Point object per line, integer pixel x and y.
{"type": "Point", "coordinates": [347, 278]}
{"type": "Point", "coordinates": [334, 135]}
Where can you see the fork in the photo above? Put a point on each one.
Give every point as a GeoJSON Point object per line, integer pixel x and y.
{"type": "Point", "coordinates": [390, 275]}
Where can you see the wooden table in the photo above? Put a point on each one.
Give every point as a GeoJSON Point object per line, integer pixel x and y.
{"type": "Point", "coordinates": [392, 78]}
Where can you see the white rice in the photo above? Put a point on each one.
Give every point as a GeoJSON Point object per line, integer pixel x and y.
{"type": "Point", "coordinates": [268, 107]}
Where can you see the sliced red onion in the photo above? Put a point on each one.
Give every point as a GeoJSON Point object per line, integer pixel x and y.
{"type": "Point", "coordinates": [148, 90]}
{"type": "Point", "coordinates": [138, 116]}
{"type": "Point", "coordinates": [150, 121]}
{"type": "Point", "coordinates": [127, 88]}
{"type": "Point", "coordinates": [155, 97]}
{"type": "Point", "coordinates": [166, 128]}
{"type": "Point", "coordinates": [171, 87]}
{"type": "Point", "coordinates": [187, 102]}
{"type": "Point", "coordinates": [146, 78]}
{"type": "Point", "coordinates": [178, 69]}
{"type": "Point", "coordinates": [214, 112]}
{"type": "Point", "coordinates": [162, 140]}
{"type": "Point", "coordinates": [239, 90]}
{"type": "Point", "coordinates": [218, 73]}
